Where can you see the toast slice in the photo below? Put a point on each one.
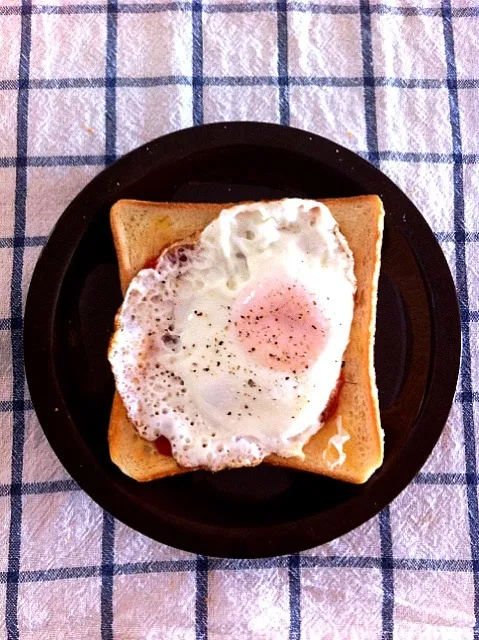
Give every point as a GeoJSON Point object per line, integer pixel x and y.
{"type": "Point", "coordinates": [141, 230]}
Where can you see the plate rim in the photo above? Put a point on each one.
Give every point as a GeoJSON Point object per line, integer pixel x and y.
{"type": "Point", "coordinates": [39, 330]}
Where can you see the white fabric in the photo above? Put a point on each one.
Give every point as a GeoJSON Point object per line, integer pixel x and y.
{"type": "Point", "coordinates": [345, 586]}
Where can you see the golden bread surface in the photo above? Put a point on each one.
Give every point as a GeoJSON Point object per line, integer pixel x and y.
{"type": "Point", "coordinates": [142, 230]}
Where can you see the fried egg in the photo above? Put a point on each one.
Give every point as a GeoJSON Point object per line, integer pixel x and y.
{"type": "Point", "coordinates": [232, 345]}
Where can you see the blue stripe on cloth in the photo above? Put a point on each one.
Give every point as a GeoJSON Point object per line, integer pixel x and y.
{"type": "Point", "coordinates": [241, 81]}
{"type": "Point", "coordinates": [427, 564]}
{"type": "Point", "coordinates": [461, 283]}
{"type": "Point", "coordinates": [451, 236]}
{"type": "Point", "coordinates": [227, 564]}
{"type": "Point", "coordinates": [368, 562]}
{"type": "Point", "coordinates": [27, 241]}
{"type": "Point", "coordinates": [387, 572]}
{"type": "Point", "coordinates": [110, 82]}
{"type": "Point", "coordinates": [468, 396]}
{"type": "Point", "coordinates": [99, 161]}
{"type": "Point", "coordinates": [384, 9]}
{"type": "Point", "coordinates": [7, 324]}
{"type": "Point", "coordinates": [55, 83]}
{"type": "Point", "coordinates": [380, 9]}
{"type": "Point", "coordinates": [255, 7]}
{"type": "Point", "coordinates": [108, 528]}
{"type": "Point", "coordinates": [63, 573]}
{"type": "Point", "coordinates": [370, 114]}
{"type": "Point", "coordinates": [201, 598]}
{"type": "Point", "coordinates": [223, 81]}
{"type": "Point", "coordinates": [39, 488]}
{"type": "Point", "coordinates": [15, 405]}
{"type": "Point", "coordinates": [304, 7]}
{"type": "Point", "coordinates": [191, 566]}
{"type": "Point", "coordinates": [130, 568]}
{"type": "Point", "coordinates": [369, 82]}
{"type": "Point", "coordinates": [294, 575]}
{"type": "Point", "coordinates": [51, 9]}
{"type": "Point", "coordinates": [107, 569]}
{"type": "Point", "coordinates": [341, 562]}
{"type": "Point", "coordinates": [18, 376]}
{"type": "Point", "coordinates": [283, 79]}
{"type": "Point", "coordinates": [83, 9]}
{"type": "Point", "coordinates": [197, 62]}
{"type": "Point", "coordinates": [149, 7]}
{"type": "Point", "coordinates": [330, 9]}
{"type": "Point", "coordinates": [156, 566]}
{"type": "Point", "coordinates": [159, 81]}
{"type": "Point", "coordinates": [52, 161]}
{"type": "Point", "coordinates": [445, 478]}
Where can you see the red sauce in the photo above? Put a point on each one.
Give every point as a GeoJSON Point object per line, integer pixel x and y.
{"type": "Point", "coordinates": [150, 263]}
{"type": "Point", "coordinates": [333, 401]}
{"type": "Point", "coordinates": [163, 446]}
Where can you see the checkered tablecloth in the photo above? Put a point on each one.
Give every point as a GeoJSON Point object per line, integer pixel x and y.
{"type": "Point", "coordinates": [81, 84]}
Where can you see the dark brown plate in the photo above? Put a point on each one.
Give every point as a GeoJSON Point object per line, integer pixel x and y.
{"type": "Point", "coordinates": [75, 293]}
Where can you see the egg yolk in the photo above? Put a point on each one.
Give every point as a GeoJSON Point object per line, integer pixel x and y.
{"type": "Point", "coordinates": [280, 325]}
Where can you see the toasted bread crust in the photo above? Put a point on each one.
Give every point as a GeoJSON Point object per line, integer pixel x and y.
{"type": "Point", "coordinates": [144, 230]}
